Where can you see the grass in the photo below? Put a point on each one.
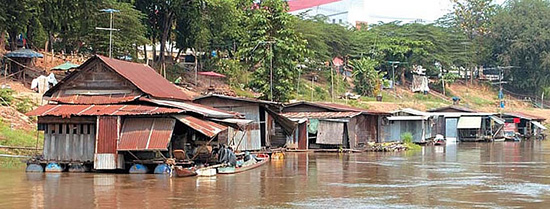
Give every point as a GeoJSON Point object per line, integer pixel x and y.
{"type": "Point", "coordinates": [16, 137]}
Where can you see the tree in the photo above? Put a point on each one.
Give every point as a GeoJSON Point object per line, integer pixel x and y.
{"type": "Point", "coordinates": [473, 17]}
{"type": "Point", "coordinates": [271, 42]}
{"type": "Point", "coordinates": [368, 80]}
{"type": "Point", "coordinates": [520, 38]}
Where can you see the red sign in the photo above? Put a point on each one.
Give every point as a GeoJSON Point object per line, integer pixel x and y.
{"type": "Point", "coordinates": [516, 120]}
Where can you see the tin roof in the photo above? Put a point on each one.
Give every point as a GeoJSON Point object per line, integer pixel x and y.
{"type": "Point", "coordinates": [525, 116]}
{"type": "Point", "coordinates": [95, 99]}
{"type": "Point", "coordinates": [337, 107]}
{"type": "Point", "coordinates": [146, 79]}
{"type": "Point", "coordinates": [202, 110]}
{"type": "Point", "coordinates": [251, 100]}
{"type": "Point", "coordinates": [321, 115]}
{"type": "Point", "coordinates": [146, 133]}
{"type": "Point", "coordinates": [295, 5]}
{"type": "Point", "coordinates": [94, 110]}
{"type": "Point", "coordinates": [454, 107]}
{"type": "Point", "coordinates": [208, 128]}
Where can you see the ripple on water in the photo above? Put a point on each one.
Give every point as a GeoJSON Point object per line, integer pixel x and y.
{"type": "Point", "coordinates": [364, 202]}
{"type": "Point", "coordinates": [524, 189]}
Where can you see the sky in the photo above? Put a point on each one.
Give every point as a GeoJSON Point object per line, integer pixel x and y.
{"type": "Point", "coordinates": [405, 10]}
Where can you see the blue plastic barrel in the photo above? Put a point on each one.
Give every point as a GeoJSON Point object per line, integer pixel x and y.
{"type": "Point", "coordinates": [138, 169]}
{"type": "Point", "coordinates": [162, 169]}
{"type": "Point", "coordinates": [36, 168]}
{"type": "Point", "coordinates": [54, 167]}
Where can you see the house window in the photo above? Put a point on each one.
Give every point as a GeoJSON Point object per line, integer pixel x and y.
{"type": "Point", "coordinates": [340, 21]}
{"type": "Point", "coordinates": [333, 20]}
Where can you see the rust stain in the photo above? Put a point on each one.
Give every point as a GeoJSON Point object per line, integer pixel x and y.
{"type": "Point", "coordinates": [95, 110]}
{"type": "Point", "coordinates": [207, 128]}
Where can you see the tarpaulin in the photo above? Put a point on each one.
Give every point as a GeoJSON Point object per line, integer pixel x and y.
{"type": "Point", "coordinates": [313, 126]}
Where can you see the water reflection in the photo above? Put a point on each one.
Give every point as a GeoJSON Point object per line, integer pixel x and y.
{"type": "Point", "coordinates": [455, 175]}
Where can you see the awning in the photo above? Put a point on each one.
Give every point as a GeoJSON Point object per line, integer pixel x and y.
{"type": "Point", "coordinates": [497, 120]}
{"type": "Point", "coordinates": [469, 123]}
{"type": "Point", "coordinates": [537, 124]}
{"type": "Point", "coordinates": [65, 66]}
{"type": "Point", "coordinates": [407, 118]}
{"type": "Point", "coordinates": [208, 128]}
{"type": "Point", "coordinates": [240, 124]}
{"type": "Point", "coordinates": [146, 134]}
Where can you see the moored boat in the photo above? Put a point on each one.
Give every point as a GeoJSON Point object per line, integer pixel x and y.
{"type": "Point", "coordinates": [261, 159]}
{"type": "Point", "coordinates": [185, 172]}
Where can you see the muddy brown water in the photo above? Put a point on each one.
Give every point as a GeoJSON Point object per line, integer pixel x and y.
{"type": "Point", "coordinates": [467, 175]}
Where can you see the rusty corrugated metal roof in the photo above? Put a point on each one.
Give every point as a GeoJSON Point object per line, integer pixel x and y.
{"type": "Point", "coordinates": [95, 99]}
{"type": "Point", "coordinates": [146, 79]}
{"type": "Point", "coordinates": [208, 128]}
{"type": "Point", "coordinates": [146, 134]}
{"type": "Point", "coordinates": [321, 115]}
{"type": "Point", "coordinates": [203, 110]}
{"type": "Point", "coordinates": [525, 116]}
{"type": "Point", "coordinates": [251, 100]}
{"type": "Point", "coordinates": [337, 107]}
{"type": "Point", "coordinates": [66, 110]}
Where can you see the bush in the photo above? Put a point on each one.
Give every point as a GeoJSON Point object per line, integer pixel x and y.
{"type": "Point", "coordinates": [6, 97]}
{"type": "Point", "coordinates": [24, 105]}
{"type": "Point", "coordinates": [407, 137]}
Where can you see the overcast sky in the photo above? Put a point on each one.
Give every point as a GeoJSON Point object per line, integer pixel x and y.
{"type": "Point", "coordinates": [406, 10]}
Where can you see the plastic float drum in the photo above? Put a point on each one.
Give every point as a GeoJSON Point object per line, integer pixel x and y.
{"type": "Point", "coordinates": [138, 169]}
{"type": "Point", "coordinates": [54, 167]}
{"type": "Point", "coordinates": [33, 167]}
{"type": "Point", "coordinates": [163, 169]}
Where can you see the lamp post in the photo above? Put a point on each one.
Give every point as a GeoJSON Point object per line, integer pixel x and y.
{"type": "Point", "coordinates": [110, 29]}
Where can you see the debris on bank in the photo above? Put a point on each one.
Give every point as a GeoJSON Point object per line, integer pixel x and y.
{"type": "Point", "coordinates": [387, 147]}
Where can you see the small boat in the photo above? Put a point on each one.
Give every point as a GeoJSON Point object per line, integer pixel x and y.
{"type": "Point", "coordinates": [439, 140]}
{"type": "Point", "coordinates": [185, 172]}
{"type": "Point", "coordinates": [261, 160]}
{"type": "Point", "coordinates": [208, 171]}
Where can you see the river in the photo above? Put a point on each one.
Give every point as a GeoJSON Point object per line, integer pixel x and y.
{"type": "Point", "coordinates": [483, 175]}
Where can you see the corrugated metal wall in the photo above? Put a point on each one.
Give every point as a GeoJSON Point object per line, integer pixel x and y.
{"type": "Point", "coordinates": [107, 140]}
{"type": "Point", "coordinates": [400, 127]}
{"type": "Point", "coordinates": [252, 137]}
{"type": "Point", "coordinates": [69, 142]}
{"type": "Point", "coordinates": [107, 134]}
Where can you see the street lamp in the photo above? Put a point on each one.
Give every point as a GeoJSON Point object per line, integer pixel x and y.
{"type": "Point", "coordinates": [110, 29]}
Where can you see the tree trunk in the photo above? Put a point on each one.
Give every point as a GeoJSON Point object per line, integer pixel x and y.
{"type": "Point", "coordinates": [403, 76]}
{"type": "Point", "coordinates": [154, 45]}
{"type": "Point", "coordinates": [165, 31]}
{"type": "Point", "coordinates": [145, 53]}
{"type": "Point", "coordinates": [2, 41]}
{"type": "Point", "coordinates": [13, 40]}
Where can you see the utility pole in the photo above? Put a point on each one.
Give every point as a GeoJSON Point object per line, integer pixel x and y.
{"type": "Point", "coordinates": [438, 65]}
{"type": "Point", "coordinates": [270, 64]}
{"type": "Point", "coordinates": [393, 65]}
{"type": "Point", "coordinates": [110, 29]}
{"type": "Point", "coordinates": [332, 83]}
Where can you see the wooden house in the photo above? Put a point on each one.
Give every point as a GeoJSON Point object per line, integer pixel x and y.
{"type": "Point", "coordinates": [408, 120]}
{"type": "Point", "coordinates": [330, 125]}
{"type": "Point", "coordinates": [109, 113]}
{"type": "Point", "coordinates": [262, 132]}
{"type": "Point", "coordinates": [529, 126]}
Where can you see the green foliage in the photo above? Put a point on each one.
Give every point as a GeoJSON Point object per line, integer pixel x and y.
{"type": "Point", "coordinates": [407, 137]}
{"type": "Point", "coordinates": [271, 42]}
{"type": "Point", "coordinates": [24, 105]}
{"type": "Point", "coordinates": [450, 78]}
{"type": "Point", "coordinates": [368, 80]}
{"type": "Point", "coordinates": [237, 74]}
{"type": "Point", "coordinates": [6, 97]}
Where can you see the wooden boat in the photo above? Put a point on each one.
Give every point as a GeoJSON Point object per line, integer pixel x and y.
{"type": "Point", "coordinates": [208, 171]}
{"type": "Point", "coordinates": [263, 159]}
{"type": "Point", "coordinates": [185, 172]}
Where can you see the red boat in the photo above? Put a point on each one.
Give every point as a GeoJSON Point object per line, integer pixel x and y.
{"type": "Point", "coordinates": [185, 172]}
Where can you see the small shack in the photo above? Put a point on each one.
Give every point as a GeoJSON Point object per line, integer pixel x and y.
{"type": "Point", "coordinates": [529, 126]}
{"type": "Point", "coordinates": [110, 114]}
{"type": "Point", "coordinates": [475, 127]}
{"type": "Point", "coordinates": [330, 125]}
{"type": "Point", "coordinates": [20, 62]}
{"type": "Point", "coordinates": [408, 120]}
{"type": "Point", "coordinates": [262, 132]}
